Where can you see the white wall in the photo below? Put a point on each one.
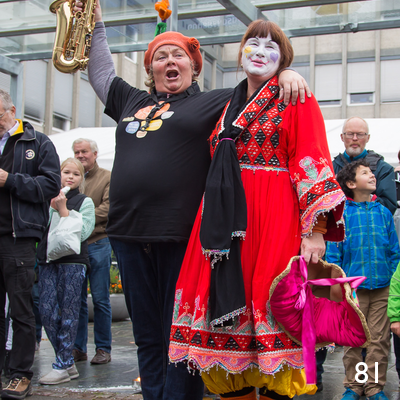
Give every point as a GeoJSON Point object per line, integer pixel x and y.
{"type": "Point", "coordinates": [385, 140]}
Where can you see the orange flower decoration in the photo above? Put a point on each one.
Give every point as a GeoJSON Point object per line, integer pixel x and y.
{"type": "Point", "coordinates": [162, 8]}
{"type": "Point", "coordinates": [193, 44]}
{"type": "Point", "coordinates": [144, 112]}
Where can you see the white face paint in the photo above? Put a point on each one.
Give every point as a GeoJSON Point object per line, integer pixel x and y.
{"type": "Point", "coordinates": [261, 57]}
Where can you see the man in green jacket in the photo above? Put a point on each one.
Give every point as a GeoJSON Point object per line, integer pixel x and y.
{"type": "Point", "coordinates": [394, 313]}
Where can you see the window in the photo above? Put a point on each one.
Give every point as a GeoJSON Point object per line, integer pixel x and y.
{"type": "Point", "coordinates": [304, 71]}
{"type": "Point", "coordinates": [106, 121]}
{"type": "Point", "coordinates": [328, 84]}
{"type": "Point", "coordinates": [361, 82]}
{"type": "Point", "coordinates": [232, 78]}
{"type": "Point", "coordinates": [62, 106]}
{"type": "Point", "coordinates": [357, 98]}
{"type": "Point", "coordinates": [220, 79]}
{"type": "Point", "coordinates": [207, 75]}
{"type": "Point", "coordinates": [61, 122]}
{"type": "Point", "coordinates": [5, 82]}
{"type": "Point", "coordinates": [390, 82]}
{"type": "Point", "coordinates": [35, 91]}
{"type": "Point", "coordinates": [87, 102]}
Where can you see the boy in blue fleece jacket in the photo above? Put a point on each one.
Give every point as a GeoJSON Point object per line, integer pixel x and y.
{"type": "Point", "coordinates": [371, 249]}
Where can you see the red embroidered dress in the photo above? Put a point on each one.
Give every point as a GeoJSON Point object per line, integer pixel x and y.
{"type": "Point", "coordinates": [288, 180]}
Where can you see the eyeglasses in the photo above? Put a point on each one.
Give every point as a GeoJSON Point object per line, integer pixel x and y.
{"type": "Point", "coordinates": [350, 135]}
{"type": "Point", "coordinates": [2, 115]}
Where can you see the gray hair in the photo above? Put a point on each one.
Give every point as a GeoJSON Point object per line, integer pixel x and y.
{"type": "Point", "coordinates": [349, 119]}
{"type": "Point", "coordinates": [6, 100]}
{"type": "Point", "coordinates": [92, 143]}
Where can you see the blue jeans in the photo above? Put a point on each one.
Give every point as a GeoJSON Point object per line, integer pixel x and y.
{"type": "Point", "coordinates": [149, 272]}
{"type": "Point", "coordinates": [99, 279]}
{"type": "Point", "coordinates": [60, 286]}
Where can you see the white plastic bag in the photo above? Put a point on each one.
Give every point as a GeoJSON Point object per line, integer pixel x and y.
{"type": "Point", "coordinates": [64, 237]}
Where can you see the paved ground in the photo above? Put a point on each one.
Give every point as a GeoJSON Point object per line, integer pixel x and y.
{"type": "Point", "coordinates": [115, 379]}
{"type": "Point", "coordinates": [110, 381]}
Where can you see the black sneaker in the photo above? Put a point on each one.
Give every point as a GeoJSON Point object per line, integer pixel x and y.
{"type": "Point", "coordinates": [320, 387]}
{"type": "Point", "coordinates": [17, 388]}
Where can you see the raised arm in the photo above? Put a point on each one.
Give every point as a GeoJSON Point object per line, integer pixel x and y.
{"type": "Point", "coordinates": [101, 65]}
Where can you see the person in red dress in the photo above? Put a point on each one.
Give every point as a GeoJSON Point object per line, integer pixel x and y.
{"type": "Point", "coordinates": [270, 195]}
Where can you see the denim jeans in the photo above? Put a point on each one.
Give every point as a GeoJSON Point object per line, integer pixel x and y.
{"type": "Point", "coordinates": [149, 272]}
{"type": "Point", "coordinates": [59, 288]}
{"type": "Point", "coordinates": [99, 280]}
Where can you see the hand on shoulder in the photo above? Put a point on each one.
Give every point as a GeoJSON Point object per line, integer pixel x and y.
{"type": "Point", "coordinates": [292, 86]}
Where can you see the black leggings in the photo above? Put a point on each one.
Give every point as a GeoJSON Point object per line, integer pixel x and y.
{"type": "Point", "coordinates": [272, 395]}
{"type": "Point", "coordinates": [243, 392]}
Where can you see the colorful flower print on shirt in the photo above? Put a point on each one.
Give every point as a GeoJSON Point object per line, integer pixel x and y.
{"type": "Point", "coordinates": [137, 124]}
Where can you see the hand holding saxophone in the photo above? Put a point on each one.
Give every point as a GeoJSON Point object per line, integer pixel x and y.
{"type": "Point", "coordinates": [97, 12]}
{"type": "Point", "coordinates": [75, 25]}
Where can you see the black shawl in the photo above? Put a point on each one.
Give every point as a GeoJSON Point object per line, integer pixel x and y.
{"type": "Point", "coordinates": [224, 217]}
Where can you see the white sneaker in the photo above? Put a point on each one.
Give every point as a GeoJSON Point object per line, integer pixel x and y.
{"type": "Point", "coordinates": [73, 372]}
{"type": "Point", "coordinates": [55, 377]}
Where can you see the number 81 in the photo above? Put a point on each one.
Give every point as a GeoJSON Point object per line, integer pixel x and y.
{"type": "Point", "coordinates": [363, 372]}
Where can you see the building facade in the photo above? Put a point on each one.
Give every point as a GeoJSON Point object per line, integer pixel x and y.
{"type": "Point", "coordinates": [350, 74]}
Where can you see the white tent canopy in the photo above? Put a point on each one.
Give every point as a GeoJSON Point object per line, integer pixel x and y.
{"type": "Point", "coordinates": [385, 140]}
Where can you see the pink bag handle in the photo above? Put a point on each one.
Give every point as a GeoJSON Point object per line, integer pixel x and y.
{"type": "Point", "coordinates": [354, 281]}
{"type": "Point", "coordinates": [304, 303]}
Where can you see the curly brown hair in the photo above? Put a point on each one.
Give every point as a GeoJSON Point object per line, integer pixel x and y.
{"type": "Point", "coordinates": [348, 174]}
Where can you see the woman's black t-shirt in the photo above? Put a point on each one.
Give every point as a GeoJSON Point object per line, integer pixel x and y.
{"type": "Point", "coordinates": [159, 174]}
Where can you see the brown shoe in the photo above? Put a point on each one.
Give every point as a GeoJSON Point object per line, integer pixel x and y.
{"type": "Point", "coordinates": [101, 357]}
{"type": "Point", "coordinates": [79, 355]}
{"type": "Point", "coordinates": [17, 388]}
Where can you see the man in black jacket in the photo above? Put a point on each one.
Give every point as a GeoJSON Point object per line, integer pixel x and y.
{"type": "Point", "coordinates": [29, 179]}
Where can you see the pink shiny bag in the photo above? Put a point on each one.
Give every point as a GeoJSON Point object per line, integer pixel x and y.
{"type": "Point", "coordinates": [304, 309]}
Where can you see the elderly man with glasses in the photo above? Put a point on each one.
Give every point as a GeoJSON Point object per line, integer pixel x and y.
{"type": "Point", "coordinates": [355, 136]}
{"type": "Point", "coordinates": [29, 179]}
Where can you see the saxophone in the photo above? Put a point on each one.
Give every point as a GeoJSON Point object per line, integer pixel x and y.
{"type": "Point", "coordinates": [73, 35]}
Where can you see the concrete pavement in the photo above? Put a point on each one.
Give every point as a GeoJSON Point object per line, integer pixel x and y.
{"type": "Point", "coordinates": [115, 379]}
